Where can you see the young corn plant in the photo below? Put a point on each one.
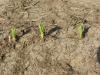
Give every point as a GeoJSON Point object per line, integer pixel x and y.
{"type": "Point", "coordinates": [42, 30]}
{"type": "Point", "coordinates": [81, 30]}
{"type": "Point", "coordinates": [13, 34]}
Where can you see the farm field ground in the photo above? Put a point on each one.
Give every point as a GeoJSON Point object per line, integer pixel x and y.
{"type": "Point", "coordinates": [63, 52]}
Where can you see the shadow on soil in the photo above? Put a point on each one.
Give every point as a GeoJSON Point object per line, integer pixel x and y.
{"type": "Point", "coordinates": [86, 28]}
{"type": "Point", "coordinates": [56, 28]}
{"type": "Point", "coordinates": [98, 54]}
{"type": "Point", "coordinates": [24, 31]}
{"type": "Point", "coordinates": [85, 31]}
{"type": "Point", "coordinates": [2, 58]}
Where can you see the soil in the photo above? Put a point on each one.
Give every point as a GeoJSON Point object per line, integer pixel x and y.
{"type": "Point", "coordinates": [62, 52]}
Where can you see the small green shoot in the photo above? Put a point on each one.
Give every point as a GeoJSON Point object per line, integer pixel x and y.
{"type": "Point", "coordinates": [81, 30]}
{"type": "Point", "coordinates": [42, 30]}
{"type": "Point", "coordinates": [13, 33]}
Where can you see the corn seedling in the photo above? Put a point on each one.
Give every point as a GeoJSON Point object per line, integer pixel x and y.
{"type": "Point", "coordinates": [42, 30]}
{"type": "Point", "coordinates": [81, 30]}
{"type": "Point", "coordinates": [13, 33]}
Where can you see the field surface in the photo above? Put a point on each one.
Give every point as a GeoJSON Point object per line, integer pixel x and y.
{"type": "Point", "coordinates": [62, 52]}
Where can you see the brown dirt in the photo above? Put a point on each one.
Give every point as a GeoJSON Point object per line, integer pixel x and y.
{"type": "Point", "coordinates": [62, 52]}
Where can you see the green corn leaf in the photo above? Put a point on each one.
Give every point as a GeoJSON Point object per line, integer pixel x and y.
{"type": "Point", "coordinates": [42, 30]}
{"type": "Point", "coordinates": [81, 30]}
{"type": "Point", "coordinates": [13, 33]}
